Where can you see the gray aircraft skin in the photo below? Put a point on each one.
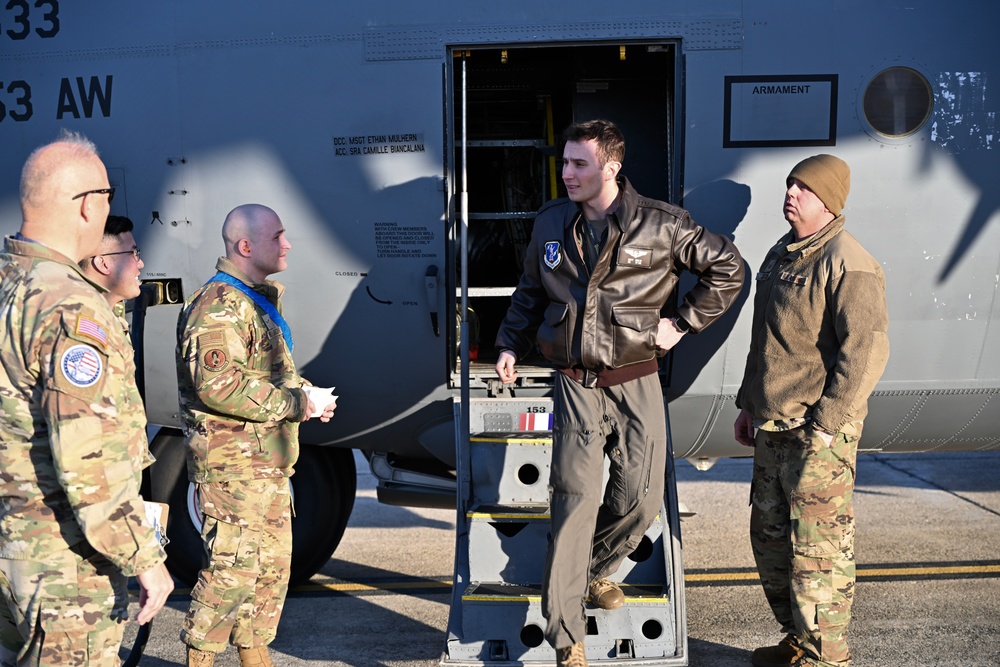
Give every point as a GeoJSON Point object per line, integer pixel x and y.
{"type": "Point", "coordinates": [367, 125]}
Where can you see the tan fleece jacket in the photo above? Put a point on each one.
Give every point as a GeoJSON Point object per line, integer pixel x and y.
{"type": "Point", "coordinates": [819, 342]}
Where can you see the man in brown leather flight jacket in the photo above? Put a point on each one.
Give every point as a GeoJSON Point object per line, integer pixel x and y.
{"type": "Point", "coordinates": [600, 267]}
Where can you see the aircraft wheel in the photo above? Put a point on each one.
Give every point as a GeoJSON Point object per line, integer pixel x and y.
{"type": "Point", "coordinates": [323, 489]}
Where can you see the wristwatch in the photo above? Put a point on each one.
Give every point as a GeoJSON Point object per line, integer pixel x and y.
{"type": "Point", "coordinates": [681, 324]}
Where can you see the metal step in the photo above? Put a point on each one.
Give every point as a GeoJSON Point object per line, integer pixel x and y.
{"type": "Point", "coordinates": [508, 545]}
{"type": "Point", "coordinates": [511, 468]}
{"type": "Point", "coordinates": [504, 623]}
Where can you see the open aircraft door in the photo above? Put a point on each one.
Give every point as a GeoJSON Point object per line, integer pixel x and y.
{"type": "Point", "coordinates": [506, 108]}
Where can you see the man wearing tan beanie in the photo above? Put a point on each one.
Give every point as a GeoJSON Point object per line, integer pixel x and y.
{"type": "Point", "coordinates": [819, 346]}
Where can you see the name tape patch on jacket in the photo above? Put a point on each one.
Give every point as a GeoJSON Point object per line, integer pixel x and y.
{"type": "Point", "coordinates": [635, 256]}
{"type": "Point", "coordinates": [553, 254]}
{"type": "Point", "coordinates": [81, 365]}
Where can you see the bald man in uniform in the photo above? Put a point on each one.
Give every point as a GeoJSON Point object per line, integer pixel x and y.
{"type": "Point", "coordinates": [73, 526]}
{"type": "Point", "coordinates": [242, 401]}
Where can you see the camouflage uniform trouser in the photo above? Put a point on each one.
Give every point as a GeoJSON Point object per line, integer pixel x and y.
{"type": "Point", "coordinates": [595, 528]}
{"type": "Point", "coordinates": [802, 534]}
{"type": "Point", "coordinates": [248, 535]}
{"type": "Point", "coordinates": [67, 611]}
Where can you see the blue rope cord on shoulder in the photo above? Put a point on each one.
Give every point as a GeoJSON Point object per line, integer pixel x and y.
{"type": "Point", "coordinates": [258, 299]}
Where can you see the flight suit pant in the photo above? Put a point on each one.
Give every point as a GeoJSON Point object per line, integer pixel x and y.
{"type": "Point", "coordinates": [239, 597]}
{"type": "Point", "coordinates": [68, 609]}
{"type": "Point", "coordinates": [593, 528]}
{"type": "Point", "coordinates": [802, 535]}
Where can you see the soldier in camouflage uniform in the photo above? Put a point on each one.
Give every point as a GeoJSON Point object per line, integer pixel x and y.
{"type": "Point", "coordinates": [242, 401]}
{"type": "Point", "coordinates": [819, 345]}
{"type": "Point", "coordinates": [116, 269]}
{"type": "Point", "coordinates": [72, 432]}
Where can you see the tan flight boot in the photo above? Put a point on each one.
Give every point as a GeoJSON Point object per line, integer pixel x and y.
{"type": "Point", "coordinates": [197, 658]}
{"type": "Point", "coordinates": [571, 656]}
{"type": "Point", "coordinates": [785, 654]}
{"type": "Point", "coordinates": [606, 594]}
{"type": "Point", "coordinates": [256, 656]}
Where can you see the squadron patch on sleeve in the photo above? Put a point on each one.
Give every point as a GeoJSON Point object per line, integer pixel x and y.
{"type": "Point", "coordinates": [215, 360]}
{"type": "Point", "coordinates": [553, 254]}
{"type": "Point", "coordinates": [81, 365]}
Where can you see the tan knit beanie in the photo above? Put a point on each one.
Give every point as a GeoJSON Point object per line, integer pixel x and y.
{"type": "Point", "coordinates": [826, 175]}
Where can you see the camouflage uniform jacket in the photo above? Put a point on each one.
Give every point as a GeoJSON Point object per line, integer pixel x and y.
{"type": "Point", "coordinates": [72, 426]}
{"type": "Point", "coordinates": [820, 331]}
{"type": "Point", "coordinates": [240, 395]}
{"type": "Point", "coordinates": [135, 401]}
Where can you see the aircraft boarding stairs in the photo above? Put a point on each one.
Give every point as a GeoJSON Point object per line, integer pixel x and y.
{"type": "Point", "coordinates": [502, 537]}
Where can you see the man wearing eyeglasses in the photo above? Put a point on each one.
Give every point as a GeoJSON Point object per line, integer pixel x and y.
{"type": "Point", "coordinates": [73, 526]}
{"type": "Point", "coordinates": [116, 267]}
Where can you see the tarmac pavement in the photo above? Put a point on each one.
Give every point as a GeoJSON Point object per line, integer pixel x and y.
{"type": "Point", "coordinates": [928, 550]}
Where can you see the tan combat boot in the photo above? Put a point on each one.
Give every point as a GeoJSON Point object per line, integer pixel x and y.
{"type": "Point", "coordinates": [256, 656]}
{"type": "Point", "coordinates": [606, 594]}
{"type": "Point", "coordinates": [197, 658]}
{"type": "Point", "coordinates": [571, 656]}
{"type": "Point", "coordinates": [785, 654]}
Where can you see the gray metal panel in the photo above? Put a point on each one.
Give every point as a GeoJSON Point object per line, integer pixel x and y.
{"type": "Point", "coordinates": [510, 474]}
{"type": "Point", "coordinates": [392, 43]}
{"type": "Point", "coordinates": [513, 550]}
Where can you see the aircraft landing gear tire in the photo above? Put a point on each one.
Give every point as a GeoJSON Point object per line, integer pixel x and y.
{"type": "Point", "coordinates": [323, 489]}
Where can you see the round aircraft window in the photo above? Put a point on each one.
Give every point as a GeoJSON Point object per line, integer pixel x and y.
{"type": "Point", "coordinates": [898, 102]}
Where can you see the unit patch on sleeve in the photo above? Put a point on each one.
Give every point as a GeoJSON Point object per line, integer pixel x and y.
{"type": "Point", "coordinates": [553, 254]}
{"type": "Point", "coordinates": [81, 365]}
{"type": "Point", "coordinates": [215, 360]}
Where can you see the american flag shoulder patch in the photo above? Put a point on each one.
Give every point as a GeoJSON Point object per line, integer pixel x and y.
{"type": "Point", "coordinates": [212, 339]}
{"type": "Point", "coordinates": [89, 327]}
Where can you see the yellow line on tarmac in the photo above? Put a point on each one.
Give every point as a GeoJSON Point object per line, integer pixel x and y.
{"type": "Point", "coordinates": [863, 573]}
{"type": "Point", "coordinates": [721, 576]}
{"type": "Point", "coordinates": [929, 571]}
{"type": "Point", "coordinates": [313, 586]}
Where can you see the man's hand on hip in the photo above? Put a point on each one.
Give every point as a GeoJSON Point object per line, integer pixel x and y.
{"type": "Point", "coordinates": [667, 334]}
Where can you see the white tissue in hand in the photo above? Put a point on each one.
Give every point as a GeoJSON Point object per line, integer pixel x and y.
{"type": "Point", "coordinates": [322, 398]}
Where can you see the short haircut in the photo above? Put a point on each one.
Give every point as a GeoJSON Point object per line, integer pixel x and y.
{"type": "Point", "coordinates": [610, 140]}
{"type": "Point", "coordinates": [117, 225]}
{"type": "Point", "coordinates": [35, 173]}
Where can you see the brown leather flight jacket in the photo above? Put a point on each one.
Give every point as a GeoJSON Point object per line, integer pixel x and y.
{"type": "Point", "coordinates": [605, 323]}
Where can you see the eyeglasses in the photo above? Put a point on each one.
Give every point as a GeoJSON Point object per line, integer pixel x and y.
{"type": "Point", "coordinates": [134, 252]}
{"type": "Point", "coordinates": [110, 192]}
